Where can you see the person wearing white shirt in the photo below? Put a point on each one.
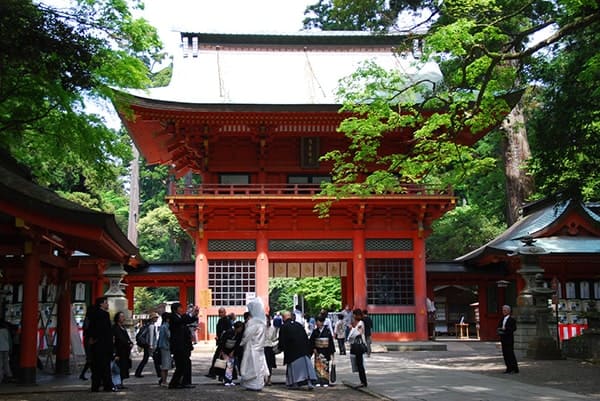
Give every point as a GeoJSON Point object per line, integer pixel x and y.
{"type": "Point", "coordinates": [506, 328]}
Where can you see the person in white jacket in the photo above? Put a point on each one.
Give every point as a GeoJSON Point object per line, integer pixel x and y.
{"type": "Point", "coordinates": [357, 333]}
{"type": "Point", "coordinates": [254, 371]}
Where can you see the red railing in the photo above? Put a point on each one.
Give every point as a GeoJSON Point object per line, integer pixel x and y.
{"type": "Point", "coordinates": [287, 190]}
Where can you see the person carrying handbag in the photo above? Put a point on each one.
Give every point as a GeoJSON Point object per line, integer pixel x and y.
{"type": "Point", "coordinates": [323, 349]}
{"type": "Point", "coordinates": [357, 341]}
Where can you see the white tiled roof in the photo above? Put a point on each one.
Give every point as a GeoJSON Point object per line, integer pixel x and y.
{"type": "Point", "coordinates": [247, 74]}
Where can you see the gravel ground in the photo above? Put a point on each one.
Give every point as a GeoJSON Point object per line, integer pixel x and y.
{"type": "Point", "coordinates": [476, 357]}
{"type": "Point", "coordinates": [486, 358]}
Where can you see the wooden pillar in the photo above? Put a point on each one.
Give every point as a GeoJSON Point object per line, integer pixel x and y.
{"type": "Point", "coordinates": [262, 268]}
{"type": "Point", "coordinates": [420, 283]}
{"type": "Point", "coordinates": [63, 325]}
{"type": "Point", "coordinates": [484, 330]}
{"type": "Point", "coordinates": [99, 285]}
{"type": "Point", "coordinates": [183, 295]}
{"type": "Point", "coordinates": [201, 282]}
{"type": "Point", "coordinates": [359, 273]}
{"type": "Point", "coordinates": [30, 314]}
{"type": "Point", "coordinates": [129, 291]}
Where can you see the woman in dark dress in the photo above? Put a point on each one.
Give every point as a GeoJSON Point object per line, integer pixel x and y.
{"type": "Point", "coordinates": [321, 341]}
{"type": "Point", "coordinates": [122, 346]}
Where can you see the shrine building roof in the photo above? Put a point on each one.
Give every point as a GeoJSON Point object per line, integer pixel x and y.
{"type": "Point", "coordinates": [302, 68]}
{"type": "Point", "coordinates": [59, 220]}
{"type": "Point", "coordinates": [566, 227]}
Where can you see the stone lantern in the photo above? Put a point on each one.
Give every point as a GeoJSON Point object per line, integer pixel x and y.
{"type": "Point", "coordinates": [533, 336]}
{"type": "Point", "coordinates": [117, 302]}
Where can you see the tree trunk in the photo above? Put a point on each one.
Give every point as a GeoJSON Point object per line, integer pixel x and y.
{"type": "Point", "coordinates": [134, 197]}
{"type": "Point", "coordinates": [516, 152]}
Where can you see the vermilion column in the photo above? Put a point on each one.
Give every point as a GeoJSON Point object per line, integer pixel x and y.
{"type": "Point", "coordinates": [99, 284]}
{"type": "Point", "coordinates": [30, 314]}
{"type": "Point", "coordinates": [420, 283]}
{"type": "Point", "coordinates": [129, 291]}
{"type": "Point", "coordinates": [183, 295]}
{"type": "Point", "coordinates": [63, 326]}
{"type": "Point", "coordinates": [359, 273]}
{"type": "Point", "coordinates": [201, 282]}
{"type": "Point", "coordinates": [262, 268]}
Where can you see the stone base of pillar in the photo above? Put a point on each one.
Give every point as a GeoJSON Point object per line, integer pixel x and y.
{"type": "Point", "coordinates": [62, 367]}
{"type": "Point", "coordinates": [586, 346]}
{"type": "Point", "coordinates": [544, 348]}
{"type": "Point", "coordinates": [27, 376]}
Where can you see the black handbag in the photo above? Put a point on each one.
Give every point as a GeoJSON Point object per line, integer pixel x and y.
{"type": "Point", "coordinates": [157, 356]}
{"type": "Point", "coordinates": [358, 346]}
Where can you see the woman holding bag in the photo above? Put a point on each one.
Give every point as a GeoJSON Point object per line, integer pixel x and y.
{"type": "Point", "coordinates": [357, 341]}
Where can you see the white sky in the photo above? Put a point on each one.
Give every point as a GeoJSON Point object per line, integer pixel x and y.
{"type": "Point", "coordinates": [224, 16]}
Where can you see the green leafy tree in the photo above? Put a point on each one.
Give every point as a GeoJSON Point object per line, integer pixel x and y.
{"type": "Point", "coordinates": [566, 125]}
{"type": "Point", "coordinates": [145, 299]}
{"type": "Point", "coordinates": [461, 231]}
{"type": "Point", "coordinates": [53, 61]}
{"type": "Point", "coordinates": [153, 186]}
{"type": "Point", "coordinates": [161, 238]}
{"type": "Point", "coordinates": [319, 293]}
{"type": "Point", "coordinates": [483, 49]}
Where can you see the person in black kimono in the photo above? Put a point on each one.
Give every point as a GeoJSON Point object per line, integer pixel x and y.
{"type": "Point", "coordinates": [229, 343]}
{"type": "Point", "coordinates": [296, 354]}
{"type": "Point", "coordinates": [506, 329]}
{"type": "Point", "coordinates": [181, 345]}
{"type": "Point", "coordinates": [321, 341]}
{"type": "Point", "coordinates": [101, 345]}
{"type": "Point", "coordinates": [123, 345]}
{"type": "Point", "coordinates": [223, 324]}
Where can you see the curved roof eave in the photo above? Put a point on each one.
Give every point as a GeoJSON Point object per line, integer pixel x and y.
{"type": "Point", "coordinates": [510, 240]}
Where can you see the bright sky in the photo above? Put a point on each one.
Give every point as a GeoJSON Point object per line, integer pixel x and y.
{"type": "Point", "coordinates": [224, 16]}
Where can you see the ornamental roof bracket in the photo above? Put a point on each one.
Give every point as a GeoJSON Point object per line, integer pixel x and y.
{"type": "Point", "coordinates": [200, 221]}
{"type": "Point", "coordinates": [360, 215]}
{"type": "Point", "coordinates": [420, 220]}
{"type": "Point", "coordinates": [262, 219]}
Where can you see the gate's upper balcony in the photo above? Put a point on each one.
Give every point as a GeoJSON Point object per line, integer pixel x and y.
{"type": "Point", "coordinates": [287, 190]}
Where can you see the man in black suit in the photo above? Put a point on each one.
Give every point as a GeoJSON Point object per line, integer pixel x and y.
{"type": "Point", "coordinates": [101, 345]}
{"type": "Point", "coordinates": [181, 345]}
{"type": "Point", "coordinates": [296, 353]}
{"type": "Point", "coordinates": [506, 329]}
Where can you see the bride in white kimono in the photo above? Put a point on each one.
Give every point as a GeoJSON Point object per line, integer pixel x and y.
{"type": "Point", "coordinates": [254, 370]}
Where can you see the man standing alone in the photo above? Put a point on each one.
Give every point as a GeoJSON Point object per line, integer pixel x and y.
{"type": "Point", "coordinates": [506, 328]}
{"type": "Point", "coordinates": [101, 346]}
{"type": "Point", "coordinates": [181, 345]}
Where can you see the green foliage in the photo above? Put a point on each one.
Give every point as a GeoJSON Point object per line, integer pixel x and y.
{"type": "Point", "coordinates": [566, 126]}
{"type": "Point", "coordinates": [53, 60]}
{"type": "Point", "coordinates": [162, 77]}
{"type": "Point", "coordinates": [461, 231]}
{"type": "Point", "coordinates": [160, 235]}
{"type": "Point", "coordinates": [82, 199]}
{"type": "Point", "coordinates": [352, 15]}
{"type": "Point", "coordinates": [145, 300]}
{"type": "Point", "coordinates": [153, 187]}
{"type": "Point", "coordinates": [323, 292]}
{"type": "Point", "coordinates": [383, 104]}
{"type": "Point", "coordinates": [482, 49]}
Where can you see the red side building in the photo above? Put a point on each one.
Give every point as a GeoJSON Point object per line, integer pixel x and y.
{"type": "Point", "coordinates": [476, 285]}
{"type": "Point", "coordinates": [53, 255]}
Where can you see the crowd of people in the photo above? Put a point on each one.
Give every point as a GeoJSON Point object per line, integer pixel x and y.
{"type": "Point", "coordinates": [108, 346]}
{"type": "Point", "coordinates": [245, 349]}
